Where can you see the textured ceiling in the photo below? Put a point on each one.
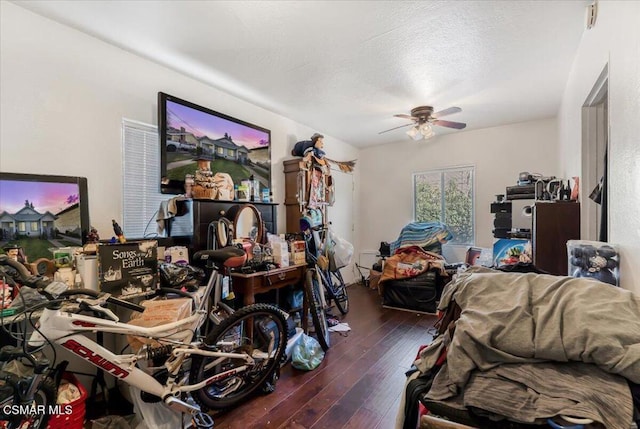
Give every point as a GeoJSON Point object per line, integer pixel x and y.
{"type": "Point", "coordinates": [345, 67]}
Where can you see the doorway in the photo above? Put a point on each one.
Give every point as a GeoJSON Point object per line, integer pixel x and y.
{"type": "Point", "coordinates": [595, 141]}
{"type": "Point", "coordinates": [341, 214]}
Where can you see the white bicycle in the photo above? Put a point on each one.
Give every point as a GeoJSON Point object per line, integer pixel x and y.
{"type": "Point", "coordinates": [241, 353]}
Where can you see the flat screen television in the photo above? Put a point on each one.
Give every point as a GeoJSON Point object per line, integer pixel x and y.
{"type": "Point", "coordinates": [38, 212]}
{"type": "Point", "coordinates": [188, 131]}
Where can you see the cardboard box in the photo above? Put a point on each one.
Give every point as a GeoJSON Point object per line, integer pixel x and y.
{"type": "Point", "coordinates": [297, 246]}
{"type": "Point", "coordinates": [297, 258]}
{"type": "Point", "coordinates": [374, 281]}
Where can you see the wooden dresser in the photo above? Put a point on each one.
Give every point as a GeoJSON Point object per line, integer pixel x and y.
{"type": "Point", "coordinates": [291, 204]}
{"type": "Point", "coordinates": [554, 223]}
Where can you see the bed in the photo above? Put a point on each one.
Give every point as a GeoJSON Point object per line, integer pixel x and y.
{"type": "Point", "coordinates": [523, 348]}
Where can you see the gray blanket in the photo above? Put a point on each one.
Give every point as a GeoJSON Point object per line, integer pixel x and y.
{"type": "Point", "coordinates": [520, 318]}
{"type": "Point", "coordinates": [529, 318]}
{"type": "Point", "coordinates": [534, 392]}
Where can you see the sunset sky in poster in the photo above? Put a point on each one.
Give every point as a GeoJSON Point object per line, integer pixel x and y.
{"type": "Point", "coordinates": [52, 197]}
{"type": "Point", "coordinates": [202, 124]}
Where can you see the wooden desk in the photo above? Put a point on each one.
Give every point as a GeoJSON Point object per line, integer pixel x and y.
{"type": "Point", "coordinates": [263, 281]}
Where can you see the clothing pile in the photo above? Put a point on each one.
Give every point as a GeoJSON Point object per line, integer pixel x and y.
{"type": "Point", "coordinates": [528, 347]}
{"type": "Point", "coordinates": [412, 277]}
{"type": "Point", "coordinates": [410, 262]}
{"type": "Point", "coordinates": [422, 234]}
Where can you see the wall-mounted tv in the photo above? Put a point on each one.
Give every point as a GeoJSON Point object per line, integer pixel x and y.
{"type": "Point", "coordinates": [38, 212]}
{"type": "Point", "coordinates": [187, 131]}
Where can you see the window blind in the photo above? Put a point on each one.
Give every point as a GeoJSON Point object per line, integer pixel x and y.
{"type": "Point", "coordinates": [140, 179]}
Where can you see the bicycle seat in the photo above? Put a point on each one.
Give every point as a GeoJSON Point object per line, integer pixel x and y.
{"type": "Point", "coordinates": [230, 257]}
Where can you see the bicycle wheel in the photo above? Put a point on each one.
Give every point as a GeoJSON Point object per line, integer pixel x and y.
{"type": "Point", "coordinates": [336, 289]}
{"type": "Point", "coordinates": [259, 330]}
{"type": "Point", "coordinates": [314, 298]}
{"type": "Point", "coordinates": [45, 395]}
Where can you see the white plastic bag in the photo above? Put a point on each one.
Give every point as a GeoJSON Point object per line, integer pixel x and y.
{"type": "Point", "coordinates": [307, 353]}
{"type": "Point", "coordinates": [341, 251]}
{"type": "Point", "coordinates": [155, 415]}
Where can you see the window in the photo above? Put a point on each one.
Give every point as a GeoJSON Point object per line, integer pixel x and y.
{"type": "Point", "coordinates": [447, 196]}
{"type": "Point", "coordinates": [141, 184]}
{"type": "Point", "coordinates": [35, 226]}
{"type": "Point", "coordinates": [141, 179]}
{"type": "Point", "coordinates": [22, 227]}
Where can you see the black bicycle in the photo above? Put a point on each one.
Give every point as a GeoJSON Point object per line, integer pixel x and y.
{"type": "Point", "coordinates": [23, 398]}
{"type": "Point", "coordinates": [318, 257]}
{"type": "Point", "coordinates": [325, 284]}
{"type": "Point", "coordinates": [314, 295]}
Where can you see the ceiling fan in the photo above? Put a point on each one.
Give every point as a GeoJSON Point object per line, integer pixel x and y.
{"type": "Point", "coordinates": [423, 118]}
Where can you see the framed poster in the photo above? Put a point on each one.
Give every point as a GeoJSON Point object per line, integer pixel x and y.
{"type": "Point", "coordinates": [128, 270]}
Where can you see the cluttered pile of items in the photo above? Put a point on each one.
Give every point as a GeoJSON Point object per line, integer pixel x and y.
{"type": "Point", "coordinates": [516, 349]}
{"type": "Point", "coordinates": [412, 272]}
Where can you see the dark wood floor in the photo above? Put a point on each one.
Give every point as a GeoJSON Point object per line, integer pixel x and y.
{"type": "Point", "coordinates": [359, 383]}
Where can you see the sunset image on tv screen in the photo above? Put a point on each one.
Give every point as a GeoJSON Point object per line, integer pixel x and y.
{"type": "Point", "coordinates": [232, 147]}
{"type": "Point", "coordinates": [37, 216]}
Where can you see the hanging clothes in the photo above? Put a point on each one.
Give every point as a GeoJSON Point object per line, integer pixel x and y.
{"type": "Point", "coordinates": [316, 184]}
{"type": "Point", "coordinates": [603, 234]}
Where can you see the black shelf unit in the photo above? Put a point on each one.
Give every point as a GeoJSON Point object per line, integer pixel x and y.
{"type": "Point", "coordinates": [203, 212]}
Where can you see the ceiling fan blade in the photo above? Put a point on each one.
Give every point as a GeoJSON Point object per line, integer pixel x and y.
{"type": "Point", "coordinates": [449, 124]}
{"type": "Point", "coordinates": [446, 112]}
{"type": "Point", "coordinates": [395, 128]}
{"type": "Point", "coordinates": [400, 115]}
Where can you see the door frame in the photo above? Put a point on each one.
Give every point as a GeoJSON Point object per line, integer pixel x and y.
{"type": "Point", "coordinates": [595, 139]}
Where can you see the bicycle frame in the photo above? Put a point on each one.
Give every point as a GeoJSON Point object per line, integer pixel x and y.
{"type": "Point", "coordinates": [66, 329]}
{"type": "Point", "coordinates": [324, 275]}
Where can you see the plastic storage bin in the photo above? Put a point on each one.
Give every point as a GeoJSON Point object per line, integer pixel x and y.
{"type": "Point", "coordinates": [594, 259]}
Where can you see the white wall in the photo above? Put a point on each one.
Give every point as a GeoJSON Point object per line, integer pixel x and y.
{"type": "Point", "coordinates": [498, 153]}
{"type": "Point", "coordinates": [614, 40]}
{"type": "Point", "coordinates": [64, 95]}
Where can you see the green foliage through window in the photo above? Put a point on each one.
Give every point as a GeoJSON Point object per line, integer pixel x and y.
{"type": "Point", "coordinates": [446, 196]}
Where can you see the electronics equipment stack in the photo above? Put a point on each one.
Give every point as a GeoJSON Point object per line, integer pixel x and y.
{"type": "Point", "coordinates": [501, 210]}
{"type": "Point", "coordinates": [512, 213]}
{"type": "Point", "coordinates": [529, 187]}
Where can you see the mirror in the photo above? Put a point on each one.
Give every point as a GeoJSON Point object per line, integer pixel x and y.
{"type": "Point", "coordinates": [247, 222]}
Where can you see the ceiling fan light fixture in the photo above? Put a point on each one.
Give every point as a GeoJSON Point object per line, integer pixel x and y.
{"type": "Point", "coordinates": [426, 130]}
{"type": "Point", "coordinates": [424, 119]}
{"type": "Point", "coordinates": [413, 133]}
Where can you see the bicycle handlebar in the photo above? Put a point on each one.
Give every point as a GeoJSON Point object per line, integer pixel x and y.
{"type": "Point", "coordinates": [125, 304]}
{"type": "Point", "coordinates": [40, 283]}
{"type": "Point", "coordinates": [110, 299]}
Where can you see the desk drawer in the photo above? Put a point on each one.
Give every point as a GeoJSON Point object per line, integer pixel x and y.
{"type": "Point", "coordinates": [283, 278]}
